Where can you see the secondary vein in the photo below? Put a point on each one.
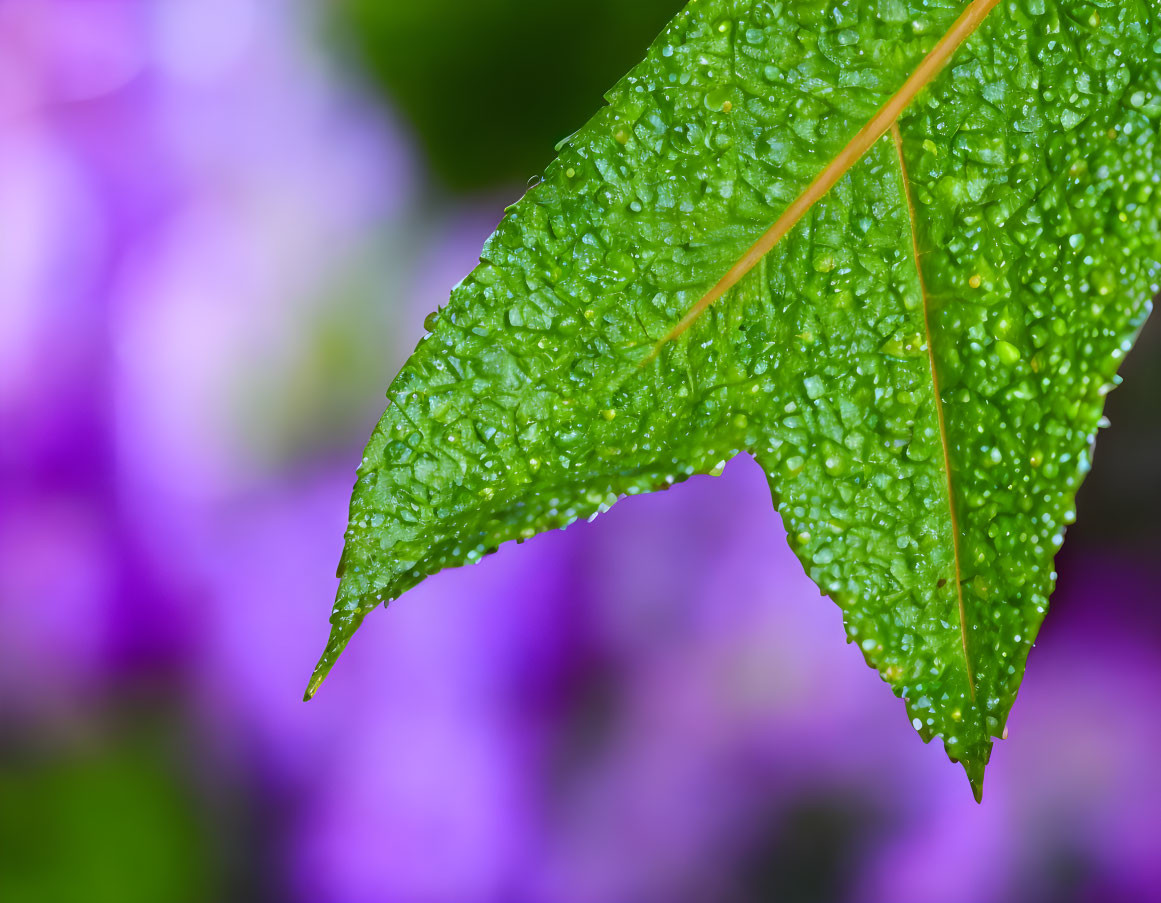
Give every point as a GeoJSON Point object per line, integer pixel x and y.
{"type": "Point", "coordinates": [897, 137]}
{"type": "Point", "coordinates": [932, 64]}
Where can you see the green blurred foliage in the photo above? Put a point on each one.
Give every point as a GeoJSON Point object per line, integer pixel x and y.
{"type": "Point", "coordinates": [110, 824]}
{"type": "Point", "coordinates": [489, 86]}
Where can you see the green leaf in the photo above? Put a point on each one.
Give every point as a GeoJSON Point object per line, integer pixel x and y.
{"type": "Point", "coordinates": [894, 250]}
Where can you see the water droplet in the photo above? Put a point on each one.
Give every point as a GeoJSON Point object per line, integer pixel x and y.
{"type": "Point", "coordinates": [836, 464]}
{"type": "Point", "coordinates": [904, 346]}
{"type": "Point", "coordinates": [718, 99]}
{"type": "Point", "coordinates": [1008, 353]}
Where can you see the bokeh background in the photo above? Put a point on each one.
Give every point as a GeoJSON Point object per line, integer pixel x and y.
{"type": "Point", "coordinates": [222, 223]}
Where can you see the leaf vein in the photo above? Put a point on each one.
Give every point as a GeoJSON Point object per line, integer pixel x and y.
{"type": "Point", "coordinates": [945, 445]}
{"type": "Point", "coordinates": [932, 64]}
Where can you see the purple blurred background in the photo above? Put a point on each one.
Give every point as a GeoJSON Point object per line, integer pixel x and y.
{"type": "Point", "coordinates": [221, 227]}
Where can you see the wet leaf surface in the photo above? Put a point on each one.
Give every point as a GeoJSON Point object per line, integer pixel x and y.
{"type": "Point", "coordinates": [919, 360]}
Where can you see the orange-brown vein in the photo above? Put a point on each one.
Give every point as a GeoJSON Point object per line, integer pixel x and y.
{"type": "Point", "coordinates": [966, 25]}
{"type": "Point", "coordinates": [897, 137]}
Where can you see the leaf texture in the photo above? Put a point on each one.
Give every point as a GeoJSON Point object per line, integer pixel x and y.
{"type": "Point", "coordinates": [895, 250]}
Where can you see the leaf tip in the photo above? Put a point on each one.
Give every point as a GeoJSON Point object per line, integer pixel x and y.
{"type": "Point", "coordinates": [975, 776]}
{"type": "Point", "coordinates": [321, 670]}
{"type": "Point", "coordinates": [316, 681]}
{"type": "Point", "coordinates": [343, 627]}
